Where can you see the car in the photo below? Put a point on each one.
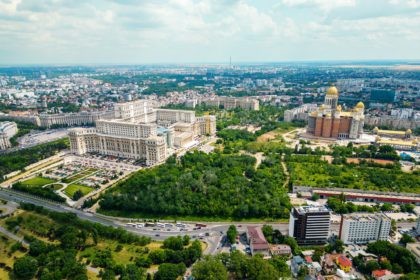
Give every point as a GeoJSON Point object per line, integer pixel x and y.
{"type": "Point", "coordinates": [157, 235]}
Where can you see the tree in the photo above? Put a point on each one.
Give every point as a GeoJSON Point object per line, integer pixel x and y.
{"type": "Point", "coordinates": [169, 271]}
{"type": "Point", "coordinates": [77, 195]}
{"type": "Point", "coordinates": [268, 231]}
{"type": "Point", "coordinates": [186, 240]}
{"type": "Point", "coordinates": [258, 268]}
{"type": "Point", "coordinates": [336, 245]}
{"type": "Point", "coordinates": [280, 263]}
{"type": "Point", "coordinates": [25, 268]}
{"type": "Point", "coordinates": [231, 234]}
{"type": "Point", "coordinates": [410, 276]}
{"type": "Point", "coordinates": [132, 272]}
{"type": "Point", "coordinates": [315, 197]}
{"type": "Point", "coordinates": [371, 266]}
{"type": "Point", "coordinates": [407, 239]}
{"type": "Point", "coordinates": [407, 207]}
{"type": "Point", "coordinates": [386, 265]}
{"type": "Point", "coordinates": [108, 274]}
{"type": "Point", "coordinates": [209, 269]}
{"type": "Point", "coordinates": [387, 207]}
{"type": "Point", "coordinates": [174, 243]}
{"type": "Point", "coordinates": [397, 269]}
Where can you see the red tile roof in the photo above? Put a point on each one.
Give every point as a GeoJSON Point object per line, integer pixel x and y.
{"type": "Point", "coordinates": [380, 273]}
{"type": "Point", "coordinates": [344, 261]}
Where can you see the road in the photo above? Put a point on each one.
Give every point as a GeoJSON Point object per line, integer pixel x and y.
{"type": "Point", "coordinates": [214, 230]}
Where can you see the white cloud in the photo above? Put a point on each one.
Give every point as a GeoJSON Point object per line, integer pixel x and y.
{"type": "Point", "coordinates": [408, 3]}
{"type": "Point", "coordinates": [325, 5]}
{"type": "Point", "coordinates": [197, 30]}
{"type": "Point", "coordinates": [8, 7]}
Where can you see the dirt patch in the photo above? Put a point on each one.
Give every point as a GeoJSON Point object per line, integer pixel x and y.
{"type": "Point", "coordinates": [271, 135]}
{"type": "Point", "coordinates": [379, 161]}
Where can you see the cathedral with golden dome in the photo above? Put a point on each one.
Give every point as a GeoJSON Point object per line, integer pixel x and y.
{"type": "Point", "coordinates": [329, 121]}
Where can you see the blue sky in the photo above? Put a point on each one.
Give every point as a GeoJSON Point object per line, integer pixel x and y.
{"type": "Point", "coordinates": [188, 31]}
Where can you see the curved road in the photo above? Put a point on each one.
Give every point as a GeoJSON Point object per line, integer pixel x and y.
{"type": "Point", "coordinates": [214, 230]}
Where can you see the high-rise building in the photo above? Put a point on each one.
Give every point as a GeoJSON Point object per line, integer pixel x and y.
{"type": "Point", "coordinates": [329, 121]}
{"type": "Point", "coordinates": [310, 225]}
{"type": "Point", "coordinates": [361, 228]}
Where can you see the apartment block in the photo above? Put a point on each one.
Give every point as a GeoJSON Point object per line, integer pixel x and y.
{"type": "Point", "coordinates": [361, 228]}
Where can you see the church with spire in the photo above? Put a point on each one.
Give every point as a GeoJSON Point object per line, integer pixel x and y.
{"type": "Point", "coordinates": [329, 121]}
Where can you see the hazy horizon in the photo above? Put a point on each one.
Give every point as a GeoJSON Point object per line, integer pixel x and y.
{"type": "Point", "coordinates": [135, 32]}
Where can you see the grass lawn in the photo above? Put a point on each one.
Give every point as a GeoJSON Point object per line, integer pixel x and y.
{"type": "Point", "coordinates": [91, 275]}
{"type": "Point", "coordinates": [37, 182]}
{"type": "Point", "coordinates": [71, 189]}
{"type": "Point", "coordinates": [55, 187]}
{"type": "Point", "coordinates": [126, 256]}
{"type": "Point", "coordinates": [5, 256]}
{"type": "Point", "coordinates": [32, 224]}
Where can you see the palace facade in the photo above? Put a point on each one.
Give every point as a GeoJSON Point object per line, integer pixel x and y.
{"type": "Point", "coordinates": [139, 131]}
{"type": "Point", "coordinates": [329, 121]}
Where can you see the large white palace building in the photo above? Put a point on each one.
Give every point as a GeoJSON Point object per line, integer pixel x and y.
{"type": "Point", "coordinates": [7, 131]}
{"type": "Point", "coordinates": [139, 131]}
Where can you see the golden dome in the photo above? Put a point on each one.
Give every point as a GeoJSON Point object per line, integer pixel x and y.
{"type": "Point", "coordinates": [409, 131]}
{"type": "Point", "coordinates": [378, 138]}
{"type": "Point", "coordinates": [356, 110]}
{"type": "Point", "coordinates": [332, 91]}
{"type": "Point", "coordinates": [360, 105]}
{"type": "Point", "coordinates": [415, 141]}
{"type": "Point", "coordinates": [376, 129]}
{"type": "Point", "coordinates": [339, 108]}
{"type": "Point", "coordinates": [328, 115]}
{"type": "Point", "coordinates": [322, 107]}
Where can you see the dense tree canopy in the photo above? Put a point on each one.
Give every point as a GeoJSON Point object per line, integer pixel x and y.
{"type": "Point", "coordinates": [205, 185]}
{"type": "Point", "coordinates": [308, 170]}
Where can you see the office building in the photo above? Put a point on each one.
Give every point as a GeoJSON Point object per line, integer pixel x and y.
{"type": "Point", "coordinates": [310, 225]}
{"type": "Point", "coordinates": [141, 132]}
{"type": "Point", "coordinates": [361, 228]}
{"type": "Point", "coordinates": [7, 131]}
{"type": "Point", "coordinates": [329, 121]}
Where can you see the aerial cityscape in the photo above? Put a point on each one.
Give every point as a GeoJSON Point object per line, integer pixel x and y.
{"type": "Point", "coordinates": [176, 140]}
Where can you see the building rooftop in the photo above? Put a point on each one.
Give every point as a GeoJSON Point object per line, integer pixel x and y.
{"type": "Point", "coordinates": [257, 238]}
{"type": "Point", "coordinates": [360, 217]}
{"type": "Point", "coordinates": [380, 273]}
{"type": "Point", "coordinates": [343, 261]}
{"type": "Point", "coordinates": [311, 209]}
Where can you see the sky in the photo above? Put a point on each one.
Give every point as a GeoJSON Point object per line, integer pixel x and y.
{"type": "Point", "coordinates": [206, 31]}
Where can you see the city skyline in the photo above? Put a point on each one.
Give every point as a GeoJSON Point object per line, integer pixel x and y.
{"type": "Point", "coordinates": [186, 31]}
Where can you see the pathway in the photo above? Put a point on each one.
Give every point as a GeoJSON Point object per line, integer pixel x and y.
{"type": "Point", "coordinates": [13, 236]}
{"type": "Point", "coordinates": [286, 172]}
